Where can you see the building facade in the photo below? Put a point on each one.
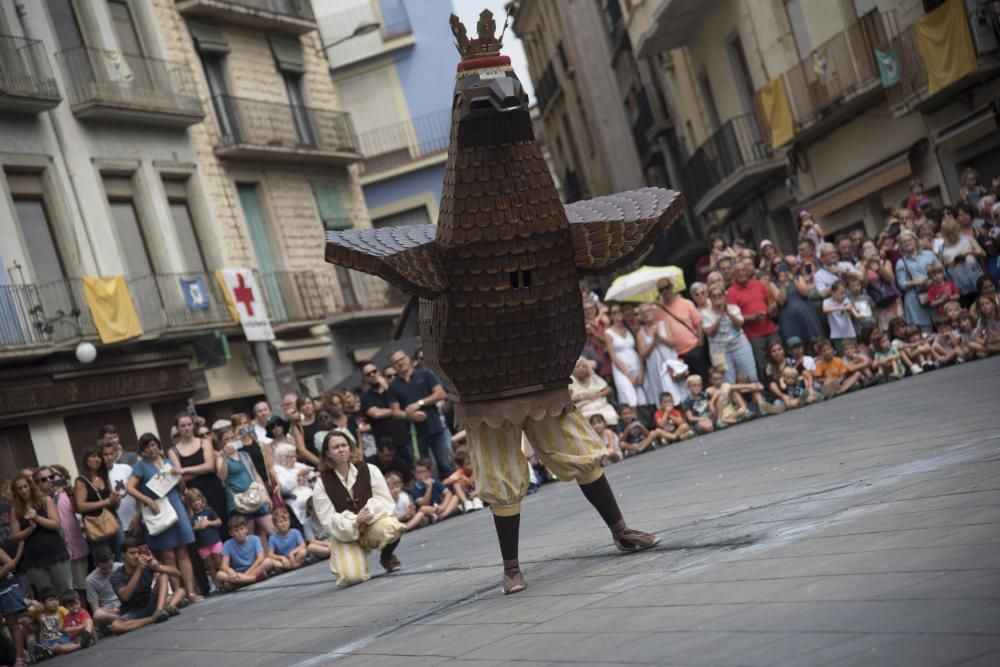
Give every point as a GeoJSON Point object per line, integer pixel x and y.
{"type": "Point", "coordinates": [853, 141]}
{"type": "Point", "coordinates": [160, 142]}
{"type": "Point", "coordinates": [396, 81]}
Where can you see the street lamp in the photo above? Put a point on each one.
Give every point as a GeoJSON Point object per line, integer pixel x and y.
{"type": "Point", "coordinates": [361, 29]}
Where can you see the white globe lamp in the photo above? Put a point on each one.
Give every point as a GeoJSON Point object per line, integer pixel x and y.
{"type": "Point", "coordinates": [86, 353]}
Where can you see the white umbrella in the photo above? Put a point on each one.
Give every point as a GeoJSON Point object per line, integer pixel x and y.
{"type": "Point", "coordinates": [640, 285]}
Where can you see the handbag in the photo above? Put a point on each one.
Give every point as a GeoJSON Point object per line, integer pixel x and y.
{"type": "Point", "coordinates": [882, 292]}
{"type": "Point", "coordinates": [255, 495]}
{"type": "Point", "coordinates": [158, 523]}
{"type": "Point", "coordinates": [920, 291]}
{"type": "Point", "coordinates": [100, 527]}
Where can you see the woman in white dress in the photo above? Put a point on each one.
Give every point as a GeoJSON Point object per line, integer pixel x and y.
{"type": "Point", "coordinates": [665, 372]}
{"type": "Point", "coordinates": [626, 366]}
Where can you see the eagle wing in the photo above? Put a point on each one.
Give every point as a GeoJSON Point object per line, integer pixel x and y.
{"type": "Point", "coordinates": [406, 257]}
{"type": "Point", "coordinates": [613, 231]}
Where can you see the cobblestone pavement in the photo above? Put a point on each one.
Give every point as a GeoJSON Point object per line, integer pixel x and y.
{"type": "Point", "coordinates": [860, 531]}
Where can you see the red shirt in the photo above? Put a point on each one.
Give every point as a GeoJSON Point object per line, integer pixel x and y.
{"type": "Point", "coordinates": [752, 299]}
{"type": "Point", "coordinates": [934, 292]}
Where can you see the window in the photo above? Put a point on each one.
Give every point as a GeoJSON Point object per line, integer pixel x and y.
{"type": "Point", "coordinates": [519, 279]}
{"type": "Point", "coordinates": [129, 43]}
{"type": "Point", "coordinates": [331, 207]}
{"type": "Point", "coordinates": [16, 450]}
{"type": "Point", "coordinates": [257, 228]}
{"type": "Point", "coordinates": [372, 104]}
{"type": "Point", "coordinates": [36, 230]}
{"type": "Point", "coordinates": [300, 114]}
{"type": "Point", "coordinates": [130, 235]}
{"type": "Point", "coordinates": [176, 190]}
{"type": "Point", "coordinates": [216, 78]}
{"type": "Point", "coordinates": [413, 216]}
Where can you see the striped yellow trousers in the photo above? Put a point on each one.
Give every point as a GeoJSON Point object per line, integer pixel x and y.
{"type": "Point", "coordinates": [349, 560]}
{"type": "Point", "coordinates": [566, 444]}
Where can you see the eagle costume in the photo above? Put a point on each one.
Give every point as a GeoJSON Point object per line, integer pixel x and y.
{"type": "Point", "coordinates": [501, 318]}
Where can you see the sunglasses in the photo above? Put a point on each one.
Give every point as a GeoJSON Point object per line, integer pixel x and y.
{"type": "Point", "coordinates": [42, 480]}
{"type": "Point", "coordinates": [665, 288]}
{"type": "Point", "coordinates": [371, 373]}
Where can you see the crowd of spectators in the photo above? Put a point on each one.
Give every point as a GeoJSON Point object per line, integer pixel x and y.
{"type": "Point", "coordinates": [138, 536]}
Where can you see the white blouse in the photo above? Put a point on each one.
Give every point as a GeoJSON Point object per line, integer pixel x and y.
{"type": "Point", "coordinates": [343, 526]}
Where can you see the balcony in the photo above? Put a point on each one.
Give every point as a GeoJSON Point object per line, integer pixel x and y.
{"type": "Point", "coordinates": [281, 132]}
{"type": "Point", "coordinates": [26, 81]}
{"type": "Point", "coordinates": [113, 86]}
{"type": "Point", "coordinates": [412, 143]}
{"type": "Point", "coordinates": [290, 17]}
{"type": "Point", "coordinates": [35, 317]}
{"type": "Point", "coordinates": [838, 79]}
{"type": "Point", "coordinates": [396, 31]}
{"type": "Point", "coordinates": [673, 25]}
{"type": "Point", "coordinates": [731, 164]}
{"type": "Point", "coordinates": [308, 297]}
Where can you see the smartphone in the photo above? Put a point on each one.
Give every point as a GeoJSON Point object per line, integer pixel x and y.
{"type": "Point", "coordinates": [144, 552]}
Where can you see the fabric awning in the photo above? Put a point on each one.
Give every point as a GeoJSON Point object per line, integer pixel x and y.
{"type": "Point", "coordinates": [858, 187]}
{"type": "Point", "coordinates": [208, 37]}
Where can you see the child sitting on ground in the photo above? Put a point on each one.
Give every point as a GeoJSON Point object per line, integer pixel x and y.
{"type": "Point", "coordinates": [916, 351]}
{"type": "Point", "coordinates": [945, 345]}
{"type": "Point", "coordinates": [670, 419]}
{"type": "Point", "coordinates": [77, 624]}
{"type": "Point", "coordinates": [635, 437]}
{"type": "Point", "coordinates": [206, 524]}
{"type": "Point", "coordinates": [431, 493]}
{"type": "Point", "coordinates": [940, 291]}
{"type": "Point", "coordinates": [726, 404]}
{"type": "Point", "coordinates": [612, 452]}
{"type": "Point", "coordinates": [286, 547]}
{"type": "Point", "coordinates": [793, 389]}
{"type": "Point", "coordinates": [405, 511]}
{"type": "Point", "coordinates": [832, 372]}
{"type": "Point", "coordinates": [462, 483]}
{"type": "Point", "coordinates": [317, 535]}
{"type": "Point", "coordinates": [857, 360]}
{"type": "Point", "coordinates": [50, 639]}
{"type": "Point", "coordinates": [988, 331]}
{"type": "Point", "coordinates": [967, 336]}
{"type": "Point", "coordinates": [887, 364]}
{"type": "Point", "coordinates": [696, 410]}
{"type": "Point", "coordinates": [243, 559]}
{"type": "Point", "coordinates": [753, 394]}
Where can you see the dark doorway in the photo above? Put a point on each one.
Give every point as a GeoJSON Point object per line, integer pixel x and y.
{"type": "Point", "coordinates": [82, 429]}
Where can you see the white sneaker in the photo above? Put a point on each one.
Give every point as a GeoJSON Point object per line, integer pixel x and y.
{"type": "Point", "coordinates": [477, 504]}
{"type": "Point", "coordinates": [467, 506]}
{"type": "Point", "coordinates": [916, 370]}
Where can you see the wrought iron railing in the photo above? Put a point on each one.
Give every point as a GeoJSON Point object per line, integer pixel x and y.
{"type": "Point", "coordinates": [276, 126]}
{"type": "Point", "coordinates": [739, 142]}
{"type": "Point", "coordinates": [192, 300]}
{"type": "Point", "coordinates": [25, 69]}
{"type": "Point", "coordinates": [299, 9]}
{"type": "Point", "coordinates": [397, 144]}
{"type": "Point", "coordinates": [131, 81]}
{"type": "Point", "coordinates": [34, 315]}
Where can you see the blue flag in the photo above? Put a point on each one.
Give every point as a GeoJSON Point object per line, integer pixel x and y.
{"type": "Point", "coordinates": [195, 294]}
{"type": "Point", "coordinates": [888, 66]}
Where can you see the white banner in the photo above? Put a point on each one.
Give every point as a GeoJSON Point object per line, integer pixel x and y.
{"type": "Point", "coordinates": [248, 299]}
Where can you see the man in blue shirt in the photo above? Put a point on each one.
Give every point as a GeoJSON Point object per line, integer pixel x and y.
{"type": "Point", "coordinates": [417, 392]}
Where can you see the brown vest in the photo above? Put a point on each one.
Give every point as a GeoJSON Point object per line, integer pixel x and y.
{"type": "Point", "coordinates": [337, 492]}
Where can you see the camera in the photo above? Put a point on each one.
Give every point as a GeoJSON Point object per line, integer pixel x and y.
{"type": "Point", "coordinates": [58, 481]}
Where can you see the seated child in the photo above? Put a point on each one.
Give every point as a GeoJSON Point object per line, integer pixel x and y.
{"type": "Point", "coordinates": [77, 624]}
{"type": "Point", "coordinates": [612, 452]}
{"type": "Point", "coordinates": [206, 524]}
{"type": "Point", "coordinates": [726, 404]}
{"type": "Point", "coordinates": [635, 438]}
{"type": "Point", "coordinates": [945, 345]}
{"type": "Point", "coordinates": [857, 360]}
{"type": "Point", "coordinates": [915, 351]}
{"type": "Point", "coordinates": [286, 547]}
{"type": "Point", "coordinates": [405, 511]}
{"type": "Point", "coordinates": [696, 410]}
{"type": "Point", "coordinates": [832, 372]}
{"type": "Point", "coordinates": [317, 535]}
{"type": "Point", "coordinates": [50, 639]}
{"type": "Point", "coordinates": [671, 419]}
{"type": "Point", "coordinates": [431, 493]}
{"type": "Point", "coordinates": [142, 584]}
{"type": "Point", "coordinates": [462, 483]}
{"type": "Point", "coordinates": [887, 363]}
{"type": "Point", "coordinates": [243, 559]}
{"type": "Point", "coordinates": [971, 349]}
{"type": "Point", "coordinates": [759, 401]}
{"type": "Point", "coordinates": [939, 291]}
{"type": "Point", "coordinates": [793, 389]}
{"type": "Point", "coordinates": [988, 330]}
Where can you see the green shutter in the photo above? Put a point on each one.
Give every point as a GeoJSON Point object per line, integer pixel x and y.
{"type": "Point", "coordinates": [331, 208]}
{"type": "Point", "coordinates": [208, 37]}
{"type": "Point", "coordinates": [287, 54]}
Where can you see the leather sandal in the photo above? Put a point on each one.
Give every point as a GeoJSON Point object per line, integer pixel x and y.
{"type": "Point", "coordinates": [630, 540]}
{"type": "Point", "coordinates": [513, 580]}
{"type": "Point", "coordinates": [390, 564]}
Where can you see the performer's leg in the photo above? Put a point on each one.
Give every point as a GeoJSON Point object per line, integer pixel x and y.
{"type": "Point", "coordinates": [502, 477]}
{"type": "Point", "coordinates": [385, 534]}
{"type": "Point", "coordinates": [569, 447]}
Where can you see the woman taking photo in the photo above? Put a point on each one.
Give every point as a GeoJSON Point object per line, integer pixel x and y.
{"type": "Point", "coordinates": [246, 493]}
{"type": "Point", "coordinates": [94, 496]}
{"type": "Point", "coordinates": [728, 345]}
{"type": "Point", "coordinates": [194, 457]}
{"type": "Point", "coordinates": [170, 545]}
{"type": "Point", "coordinates": [36, 523]}
{"type": "Point", "coordinates": [911, 276]}
{"type": "Point", "coordinates": [352, 501]}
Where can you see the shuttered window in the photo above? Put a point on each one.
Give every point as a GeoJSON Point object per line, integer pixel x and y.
{"type": "Point", "coordinates": [130, 236]}
{"type": "Point", "coordinates": [64, 21]}
{"type": "Point", "coordinates": [372, 104]}
{"type": "Point", "coordinates": [208, 37]}
{"type": "Point", "coordinates": [128, 36]}
{"type": "Point", "coordinates": [414, 216]}
{"type": "Point", "coordinates": [331, 207]}
{"type": "Point", "coordinates": [287, 54]}
{"type": "Point", "coordinates": [35, 230]}
{"type": "Point", "coordinates": [176, 191]}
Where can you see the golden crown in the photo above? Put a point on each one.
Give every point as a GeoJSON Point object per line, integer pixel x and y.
{"type": "Point", "coordinates": [487, 44]}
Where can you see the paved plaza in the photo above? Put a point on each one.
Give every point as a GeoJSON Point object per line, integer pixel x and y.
{"type": "Point", "coordinates": [862, 531]}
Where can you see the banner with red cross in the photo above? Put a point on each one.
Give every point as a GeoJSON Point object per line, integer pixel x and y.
{"type": "Point", "coordinates": [244, 294]}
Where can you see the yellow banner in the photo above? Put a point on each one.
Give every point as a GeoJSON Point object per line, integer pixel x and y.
{"type": "Point", "coordinates": [112, 308]}
{"type": "Point", "coordinates": [235, 314]}
{"type": "Point", "coordinates": [777, 112]}
{"type": "Point", "coordinates": [945, 45]}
